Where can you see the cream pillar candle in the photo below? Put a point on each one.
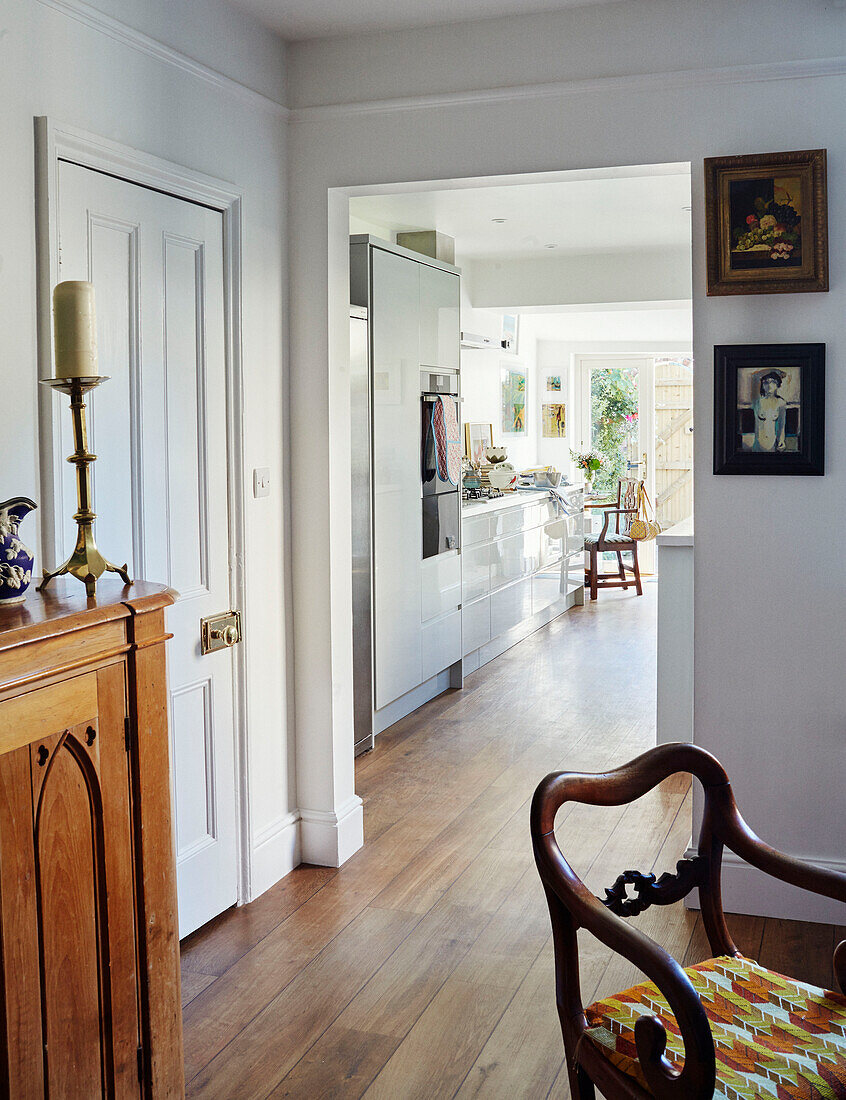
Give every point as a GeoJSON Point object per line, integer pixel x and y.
{"type": "Point", "coordinates": [75, 329]}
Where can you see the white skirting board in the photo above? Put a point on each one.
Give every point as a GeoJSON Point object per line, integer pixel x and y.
{"type": "Point", "coordinates": [329, 837]}
{"type": "Point", "coordinates": [413, 699]}
{"type": "Point", "coordinates": [324, 838]}
{"type": "Point", "coordinates": [276, 852]}
{"type": "Point", "coordinates": [748, 890]}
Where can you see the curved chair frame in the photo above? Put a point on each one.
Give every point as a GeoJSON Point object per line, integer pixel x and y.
{"type": "Point", "coordinates": [628, 504]}
{"type": "Point", "coordinates": [573, 906]}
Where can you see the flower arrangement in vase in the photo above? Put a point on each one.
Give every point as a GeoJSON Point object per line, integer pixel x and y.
{"type": "Point", "coordinates": [589, 463]}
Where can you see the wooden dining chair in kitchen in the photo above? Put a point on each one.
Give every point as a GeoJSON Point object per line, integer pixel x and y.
{"type": "Point", "coordinates": [720, 1028]}
{"type": "Point", "coordinates": [618, 541]}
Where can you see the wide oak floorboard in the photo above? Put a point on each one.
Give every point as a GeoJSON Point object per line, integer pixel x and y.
{"type": "Point", "coordinates": [423, 968]}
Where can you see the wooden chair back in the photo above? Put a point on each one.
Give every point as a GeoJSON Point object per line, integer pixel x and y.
{"type": "Point", "coordinates": [573, 906]}
{"type": "Point", "coordinates": [628, 496]}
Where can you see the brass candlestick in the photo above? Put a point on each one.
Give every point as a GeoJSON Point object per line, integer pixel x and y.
{"type": "Point", "coordinates": [86, 563]}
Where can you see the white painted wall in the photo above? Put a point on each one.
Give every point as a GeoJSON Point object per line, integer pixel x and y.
{"type": "Point", "coordinates": [214, 33]}
{"type": "Point", "coordinates": [572, 44]}
{"type": "Point", "coordinates": [636, 275]}
{"type": "Point", "coordinates": [58, 60]}
{"type": "Point", "coordinates": [564, 336]}
{"type": "Point", "coordinates": [481, 381]}
{"type": "Point", "coordinates": [769, 695]}
{"type": "Point", "coordinates": [362, 225]}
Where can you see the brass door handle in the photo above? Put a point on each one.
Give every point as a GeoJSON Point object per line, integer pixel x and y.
{"type": "Point", "coordinates": [228, 635]}
{"type": "Point", "coordinates": [221, 631]}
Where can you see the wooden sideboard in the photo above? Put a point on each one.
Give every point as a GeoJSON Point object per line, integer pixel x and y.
{"type": "Point", "coordinates": [89, 948]}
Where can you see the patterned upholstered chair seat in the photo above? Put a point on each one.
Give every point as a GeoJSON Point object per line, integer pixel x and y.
{"type": "Point", "coordinates": [611, 540]}
{"type": "Point", "coordinates": [774, 1037]}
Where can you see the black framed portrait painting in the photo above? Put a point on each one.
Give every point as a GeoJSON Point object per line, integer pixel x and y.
{"type": "Point", "coordinates": [769, 409]}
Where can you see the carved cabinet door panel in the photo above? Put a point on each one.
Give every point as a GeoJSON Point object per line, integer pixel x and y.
{"type": "Point", "coordinates": [21, 1058]}
{"type": "Point", "coordinates": [82, 847]}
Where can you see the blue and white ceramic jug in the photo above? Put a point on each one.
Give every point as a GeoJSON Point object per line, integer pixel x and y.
{"type": "Point", "coordinates": [15, 559]}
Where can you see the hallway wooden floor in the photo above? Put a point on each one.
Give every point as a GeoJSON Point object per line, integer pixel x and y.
{"type": "Point", "coordinates": [423, 967]}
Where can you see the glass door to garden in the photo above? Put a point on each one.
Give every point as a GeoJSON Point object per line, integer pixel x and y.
{"type": "Point", "coordinates": [617, 406]}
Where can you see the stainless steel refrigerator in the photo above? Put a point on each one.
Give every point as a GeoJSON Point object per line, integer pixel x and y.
{"type": "Point", "coordinates": [362, 530]}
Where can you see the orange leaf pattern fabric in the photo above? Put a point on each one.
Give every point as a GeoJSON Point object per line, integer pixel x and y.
{"type": "Point", "coordinates": [775, 1038]}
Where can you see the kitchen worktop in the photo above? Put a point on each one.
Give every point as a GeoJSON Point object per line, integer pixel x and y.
{"type": "Point", "coordinates": [518, 497]}
{"type": "Point", "coordinates": [679, 535]}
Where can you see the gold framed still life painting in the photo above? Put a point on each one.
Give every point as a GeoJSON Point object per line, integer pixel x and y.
{"type": "Point", "coordinates": [766, 223]}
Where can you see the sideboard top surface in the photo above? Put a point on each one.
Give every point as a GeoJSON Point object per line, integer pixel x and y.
{"type": "Point", "coordinates": [64, 607]}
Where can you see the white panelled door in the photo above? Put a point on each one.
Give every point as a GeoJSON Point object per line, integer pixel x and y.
{"type": "Point", "coordinates": [158, 428]}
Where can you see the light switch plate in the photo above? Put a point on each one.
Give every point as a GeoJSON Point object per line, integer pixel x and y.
{"type": "Point", "coordinates": [261, 481]}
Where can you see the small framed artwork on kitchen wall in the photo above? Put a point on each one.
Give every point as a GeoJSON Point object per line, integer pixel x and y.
{"type": "Point", "coordinates": [478, 438]}
{"type": "Point", "coordinates": [769, 409]}
{"type": "Point", "coordinates": [554, 421]}
{"type": "Point", "coordinates": [766, 223]}
{"type": "Point", "coordinates": [510, 329]}
{"type": "Point", "coordinates": [513, 400]}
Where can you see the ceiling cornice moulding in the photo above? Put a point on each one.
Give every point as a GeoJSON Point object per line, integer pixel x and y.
{"type": "Point", "coordinates": [97, 20]}
{"type": "Point", "coordinates": [682, 78]}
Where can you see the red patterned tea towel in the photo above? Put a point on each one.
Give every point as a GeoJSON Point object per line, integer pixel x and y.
{"type": "Point", "coordinates": [447, 442]}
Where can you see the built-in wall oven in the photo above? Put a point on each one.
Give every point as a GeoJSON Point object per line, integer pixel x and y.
{"type": "Point", "coordinates": [441, 495]}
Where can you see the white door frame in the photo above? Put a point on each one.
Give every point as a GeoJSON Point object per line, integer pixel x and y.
{"type": "Point", "coordinates": [578, 397]}
{"type": "Point", "coordinates": [54, 143]}
{"type": "Point", "coordinates": [646, 423]}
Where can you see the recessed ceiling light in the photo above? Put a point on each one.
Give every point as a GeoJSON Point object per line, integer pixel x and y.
{"type": "Point", "coordinates": [498, 221]}
{"type": "Point", "coordinates": [686, 208]}
{"type": "Point", "coordinates": [550, 246]}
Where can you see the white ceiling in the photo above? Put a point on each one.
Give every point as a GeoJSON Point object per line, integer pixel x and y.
{"type": "Point", "coordinates": [297, 19]}
{"type": "Point", "coordinates": [617, 324]}
{"type": "Point", "coordinates": [643, 207]}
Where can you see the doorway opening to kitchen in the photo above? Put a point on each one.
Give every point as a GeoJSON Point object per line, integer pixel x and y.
{"type": "Point", "coordinates": [635, 413]}
{"type": "Point", "coordinates": [556, 310]}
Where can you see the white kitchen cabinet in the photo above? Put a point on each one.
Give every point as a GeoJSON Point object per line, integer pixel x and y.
{"type": "Point", "coordinates": [476, 571]}
{"type": "Point", "coordinates": [546, 588]}
{"type": "Point", "coordinates": [397, 521]}
{"type": "Point", "coordinates": [475, 529]}
{"type": "Point", "coordinates": [476, 624]}
{"type": "Point", "coordinates": [440, 644]}
{"type": "Point", "coordinates": [510, 606]}
{"type": "Point", "coordinates": [509, 521]}
{"type": "Point", "coordinates": [514, 557]}
{"type": "Point", "coordinates": [412, 305]}
{"type": "Point", "coordinates": [440, 585]}
{"type": "Point", "coordinates": [516, 519]}
{"type": "Point", "coordinates": [516, 577]}
{"type": "Point", "coordinates": [550, 551]}
{"type": "Point", "coordinates": [439, 318]}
